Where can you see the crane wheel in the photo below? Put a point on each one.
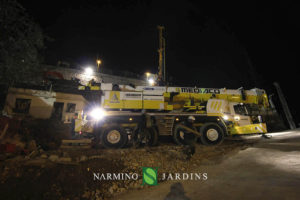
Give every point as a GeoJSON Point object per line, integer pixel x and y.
{"type": "Point", "coordinates": [114, 136]}
{"type": "Point", "coordinates": [151, 136]}
{"type": "Point", "coordinates": [211, 134]}
{"type": "Point", "coordinates": [183, 137]}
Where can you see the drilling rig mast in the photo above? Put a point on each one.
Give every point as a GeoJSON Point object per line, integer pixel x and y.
{"type": "Point", "coordinates": [161, 57]}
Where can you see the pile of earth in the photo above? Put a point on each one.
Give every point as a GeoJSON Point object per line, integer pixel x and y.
{"type": "Point", "coordinates": [44, 177]}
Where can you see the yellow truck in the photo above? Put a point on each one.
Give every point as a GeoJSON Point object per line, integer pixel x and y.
{"type": "Point", "coordinates": [141, 114]}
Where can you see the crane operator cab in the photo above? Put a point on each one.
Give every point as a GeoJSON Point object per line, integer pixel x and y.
{"type": "Point", "coordinates": [239, 117]}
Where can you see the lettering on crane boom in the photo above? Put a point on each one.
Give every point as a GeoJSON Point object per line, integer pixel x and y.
{"type": "Point", "coordinates": [200, 90]}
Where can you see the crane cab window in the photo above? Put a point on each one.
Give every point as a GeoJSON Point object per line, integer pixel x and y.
{"type": "Point", "coordinates": [240, 109]}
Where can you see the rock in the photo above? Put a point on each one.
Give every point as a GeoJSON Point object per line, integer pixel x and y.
{"type": "Point", "coordinates": [131, 185]}
{"type": "Point", "coordinates": [135, 164]}
{"type": "Point", "coordinates": [65, 154]}
{"type": "Point", "coordinates": [32, 154]}
{"type": "Point", "coordinates": [95, 157]}
{"type": "Point", "coordinates": [86, 195]}
{"type": "Point", "coordinates": [115, 186]}
{"type": "Point", "coordinates": [98, 198]}
{"type": "Point", "coordinates": [53, 158]}
{"type": "Point", "coordinates": [136, 185]}
{"type": "Point", "coordinates": [111, 190]}
{"type": "Point", "coordinates": [122, 152]}
{"type": "Point", "coordinates": [83, 158]}
{"type": "Point", "coordinates": [65, 159]}
{"type": "Point", "coordinates": [97, 192]}
{"type": "Point", "coordinates": [44, 156]}
{"type": "Point", "coordinates": [31, 145]}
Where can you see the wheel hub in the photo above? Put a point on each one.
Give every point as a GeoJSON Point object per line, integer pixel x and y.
{"type": "Point", "coordinates": [113, 136]}
{"type": "Point", "coordinates": [212, 134]}
{"type": "Point", "coordinates": [181, 135]}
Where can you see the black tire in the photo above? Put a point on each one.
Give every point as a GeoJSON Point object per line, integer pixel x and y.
{"type": "Point", "coordinates": [182, 137]}
{"type": "Point", "coordinates": [114, 136]}
{"type": "Point", "coordinates": [211, 134]}
{"type": "Point", "coordinates": [151, 136]}
{"type": "Point", "coordinates": [136, 139]}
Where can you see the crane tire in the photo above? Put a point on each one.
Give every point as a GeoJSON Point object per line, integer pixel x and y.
{"type": "Point", "coordinates": [182, 137]}
{"type": "Point", "coordinates": [114, 136]}
{"type": "Point", "coordinates": [151, 136]}
{"type": "Point", "coordinates": [211, 134]}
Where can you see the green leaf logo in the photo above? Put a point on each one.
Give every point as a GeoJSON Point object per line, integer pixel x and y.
{"type": "Point", "coordinates": [149, 176]}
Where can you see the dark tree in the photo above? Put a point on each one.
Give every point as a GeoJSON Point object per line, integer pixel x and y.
{"type": "Point", "coordinates": [20, 42]}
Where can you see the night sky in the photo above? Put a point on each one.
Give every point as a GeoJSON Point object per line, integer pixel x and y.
{"type": "Point", "coordinates": [208, 43]}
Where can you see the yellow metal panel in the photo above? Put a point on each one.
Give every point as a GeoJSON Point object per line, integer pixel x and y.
{"type": "Point", "coordinates": [114, 97]}
{"type": "Point", "coordinates": [215, 114]}
{"type": "Point", "coordinates": [216, 104]}
{"type": "Point", "coordinates": [114, 101]}
{"type": "Point", "coordinates": [151, 104]}
{"type": "Point", "coordinates": [167, 95]}
{"type": "Point", "coordinates": [220, 104]}
{"type": "Point", "coordinates": [212, 105]}
{"type": "Point", "coordinates": [248, 129]}
{"type": "Point", "coordinates": [230, 97]}
{"type": "Point", "coordinates": [83, 125]}
{"type": "Point", "coordinates": [81, 87]}
{"type": "Point", "coordinates": [95, 87]}
{"type": "Point", "coordinates": [78, 125]}
{"type": "Point", "coordinates": [169, 107]}
{"type": "Point", "coordinates": [108, 104]}
{"type": "Point", "coordinates": [132, 104]}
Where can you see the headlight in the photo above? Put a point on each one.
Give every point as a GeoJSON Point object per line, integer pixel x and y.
{"type": "Point", "coordinates": [225, 117]}
{"type": "Point", "coordinates": [237, 118]}
{"type": "Point", "coordinates": [98, 113]}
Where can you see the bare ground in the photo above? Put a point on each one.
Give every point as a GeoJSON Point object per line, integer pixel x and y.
{"type": "Point", "coordinates": [40, 178]}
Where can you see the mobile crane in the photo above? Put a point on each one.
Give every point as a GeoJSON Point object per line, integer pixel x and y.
{"type": "Point", "coordinates": [143, 113]}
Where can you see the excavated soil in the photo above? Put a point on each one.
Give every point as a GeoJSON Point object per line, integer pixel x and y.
{"type": "Point", "coordinates": [41, 178]}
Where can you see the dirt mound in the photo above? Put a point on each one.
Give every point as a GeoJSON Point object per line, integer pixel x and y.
{"type": "Point", "coordinates": [28, 134]}
{"type": "Point", "coordinates": [42, 179]}
{"type": "Point", "coordinates": [47, 133]}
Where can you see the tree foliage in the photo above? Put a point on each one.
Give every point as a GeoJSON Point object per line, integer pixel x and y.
{"type": "Point", "coordinates": [20, 42]}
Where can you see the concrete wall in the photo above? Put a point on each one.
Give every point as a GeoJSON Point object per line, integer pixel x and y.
{"type": "Point", "coordinates": [42, 102]}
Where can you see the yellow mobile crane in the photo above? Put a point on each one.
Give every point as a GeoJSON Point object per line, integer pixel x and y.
{"type": "Point", "coordinates": [143, 113]}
